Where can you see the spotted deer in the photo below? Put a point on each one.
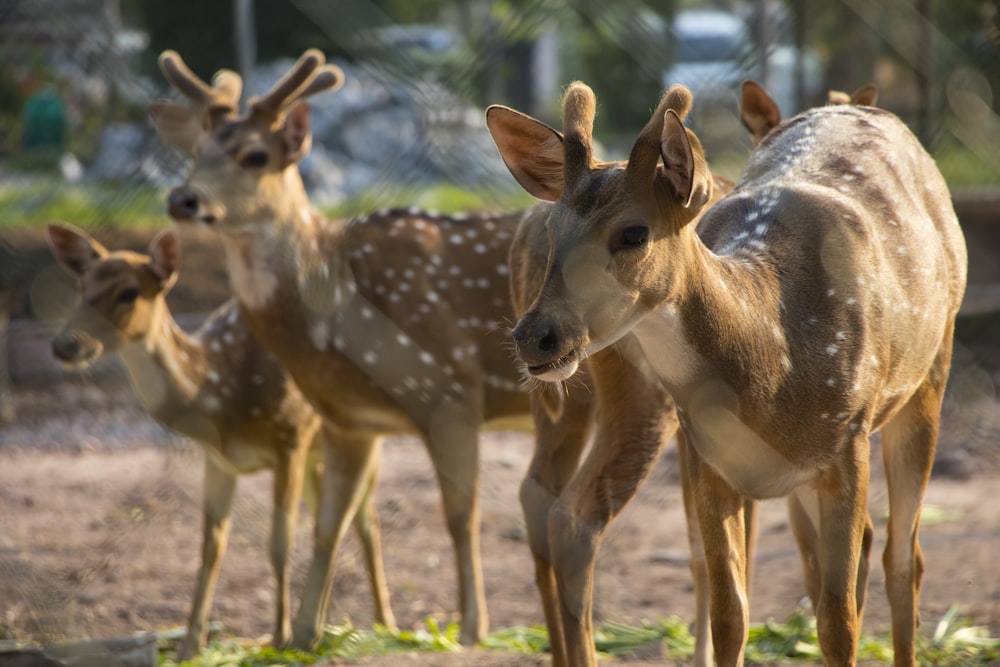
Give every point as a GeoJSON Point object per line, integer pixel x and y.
{"type": "Point", "coordinates": [760, 113]}
{"type": "Point", "coordinates": [641, 418]}
{"type": "Point", "coordinates": [389, 323]}
{"type": "Point", "coordinates": [217, 386]}
{"type": "Point", "coordinates": [813, 306]}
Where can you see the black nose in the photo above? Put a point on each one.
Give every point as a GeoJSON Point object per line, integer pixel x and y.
{"type": "Point", "coordinates": [66, 348]}
{"type": "Point", "coordinates": [534, 339]}
{"type": "Point", "coordinates": [182, 204]}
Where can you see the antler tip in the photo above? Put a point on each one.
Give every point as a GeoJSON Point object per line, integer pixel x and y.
{"type": "Point", "coordinates": [168, 57]}
{"type": "Point", "coordinates": [314, 57]}
{"type": "Point", "coordinates": [329, 78]}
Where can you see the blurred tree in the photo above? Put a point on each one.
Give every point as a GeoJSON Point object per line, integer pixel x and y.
{"type": "Point", "coordinates": [204, 32]}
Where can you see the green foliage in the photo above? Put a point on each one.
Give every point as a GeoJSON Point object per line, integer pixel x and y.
{"type": "Point", "coordinates": [954, 643]}
{"type": "Point", "coordinates": [42, 202]}
{"type": "Point", "coordinates": [961, 167]}
{"type": "Point", "coordinates": [444, 197]}
{"type": "Point", "coordinates": [620, 639]}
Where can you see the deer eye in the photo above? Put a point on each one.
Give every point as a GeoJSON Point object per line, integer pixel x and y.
{"type": "Point", "coordinates": [254, 159]}
{"type": "Point", "coordinates": [634, 236]}
{"type": "Point", "coordinates": [128, 295]}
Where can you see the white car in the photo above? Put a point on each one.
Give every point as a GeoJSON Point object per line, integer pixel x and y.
{"type": "Point", "coordinates": [713, 54]}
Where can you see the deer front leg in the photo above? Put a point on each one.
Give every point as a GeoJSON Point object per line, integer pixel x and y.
{"type": "Point", "coordinates": [219, 487]}
{"type": "Point", "coordinates": [453, 442]}
{"type": "Point", "coordinates": [558, 445]}
{"type": "Point", "coordinates": [699, 568]}
{"type": "Point", "coordinates": [719, 510]}
{"type": "Point", "coordinates": [347, 464]}
{"type": "Point", "coordinates": [803, 513]}
{"type": "Point", "coordinates": [366, 523]}
{"type": "Point", "coordinates": [842, 490]}
{"type": "Point", "coordinates": [288, 482]}
{"type": "Point", "coordinates": [635, 420]}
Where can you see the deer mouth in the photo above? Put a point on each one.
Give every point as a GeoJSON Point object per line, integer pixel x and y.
{"type": "Point", "coordinates": [559, 370]}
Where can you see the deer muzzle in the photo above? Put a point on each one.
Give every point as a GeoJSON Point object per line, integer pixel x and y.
{"type": "Point", "coordinates": [545, 349]}
{"type": "Point", "coordinates": [182, 204]}
{"type": "Point", "coordinates": [74, 350]}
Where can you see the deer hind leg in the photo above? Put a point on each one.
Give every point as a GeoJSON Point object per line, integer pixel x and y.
{"type": "Point", "coordinates": [348, 460]}
{"type": "Point", "coordinates": [908, 445]}
{"type": "Point", "coordinates": [289, 476]}
{"type": "Point", "coordinates": [366, 523]}
{"type": "Point", "coordinates": [453, 441]}
{"type": "Point", "coordinates": [632, 432]}
{"type": "Point", "coordinates": [219, 488]}
{"type": "Point", "coordinates": [558, 446]}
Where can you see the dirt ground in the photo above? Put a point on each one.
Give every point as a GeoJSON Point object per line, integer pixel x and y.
{"type": "Point", "coordinates": [100, 525]}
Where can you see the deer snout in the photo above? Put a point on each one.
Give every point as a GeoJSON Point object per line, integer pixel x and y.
{"type": "Point", "coordinates": [547, 351]}
{"type": "Point", "coordinates": [75, 351]}
{"type": "Point", "coordinates": [182, 204]}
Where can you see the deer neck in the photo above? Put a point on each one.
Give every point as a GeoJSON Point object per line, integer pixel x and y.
{"type": "Point", "coordinates": [291, 253]}
{"type": "Point", "coordinates": [719, 321]}
{"type": "Point", "coordinates": [167, 367]}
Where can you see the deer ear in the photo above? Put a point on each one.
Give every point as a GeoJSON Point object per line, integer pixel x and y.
{"type": "Point", "coordinates": [759, 112]}
{"type": "Point", "coordinates": [74, 249]}
{"type": "Point", "coordinates": [532, 151]}
{"type": "Point", "coordinates": [297, 132]}
{"type": "Point", "coordinates": [177, 125]}
{"type": "Point", "coordinates": [684, 165]}
{"type": "Point", "coordinates": [165, 253]}
{"type": "Point", "coordinates": [865, 96]}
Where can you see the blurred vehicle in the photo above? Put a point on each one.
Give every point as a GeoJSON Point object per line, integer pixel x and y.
{"type": "Point", "coordinates": [781, 63]}
{"type": "Point", "coordinates": [712, 54]}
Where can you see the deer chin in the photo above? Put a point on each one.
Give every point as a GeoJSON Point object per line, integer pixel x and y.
{"type": "Point", "coordinates": [559, 370]}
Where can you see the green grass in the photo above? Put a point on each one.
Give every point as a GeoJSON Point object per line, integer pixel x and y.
{"type": "Point", "coordinates": [954, 642]}
{"type": "Point", "coordinates": [40, 202]}
{"type": "Point", "coordinates": [961, 167]}
{"type": "Point", "coordinates": [443, 197]}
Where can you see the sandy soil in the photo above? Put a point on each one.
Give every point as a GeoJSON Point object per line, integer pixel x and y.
{"type": "Point", "coordinates": [101, 538]}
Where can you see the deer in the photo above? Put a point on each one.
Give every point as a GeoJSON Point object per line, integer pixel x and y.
{"type": "Point", "coordinates": [811, 307]}
{"type": "Point", "coordinates": [760, 114]}
{"type": "Point", "coordinates": [217, 386]}
{"type": "Point", "coordinates": [554, 460]}
{"type": "Point", "coordinates": [555, 475]}
{"type": "Point", "coordinates": [389, 323]}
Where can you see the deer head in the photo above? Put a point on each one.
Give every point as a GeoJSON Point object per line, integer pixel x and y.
{"type": "Point", "coordinates": [603, 246]}
{"type": "Point", "coordinates": [244, 165]}
{"type": "Point", "coordinates": [121, 293]}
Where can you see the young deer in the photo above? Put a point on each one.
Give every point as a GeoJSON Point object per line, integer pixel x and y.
{"type": "Point", "coordinates": [813, 306]}
{"type": "Point", "coordinates": [217, 386]}
{"type": "Point", "coordinates": [639, 416]}
{"type": "Point", "coordinates": [390, 323]}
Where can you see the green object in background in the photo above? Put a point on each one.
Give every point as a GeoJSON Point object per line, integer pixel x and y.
{"type": "Point", "coordinates": [44, 123]}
